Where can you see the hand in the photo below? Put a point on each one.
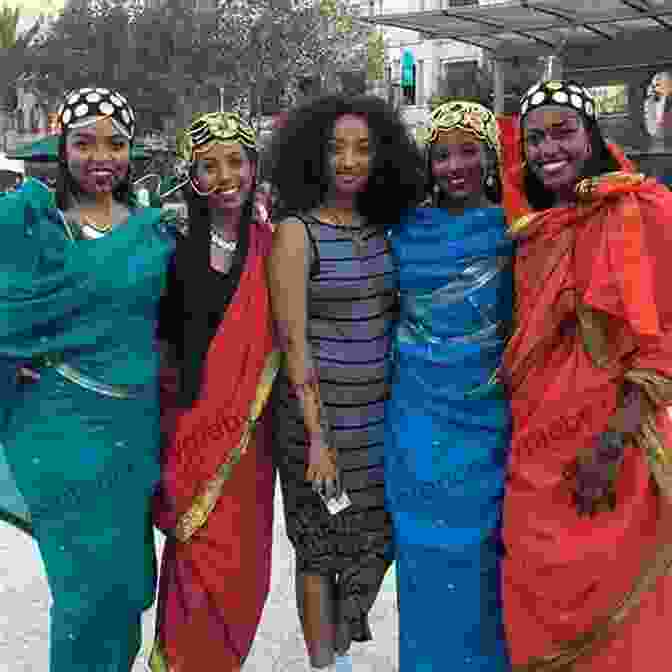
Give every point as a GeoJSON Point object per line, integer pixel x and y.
{"type": "Point", "coordinates": [322, 470]}
{"type": "Point", "coordinates": [596, 473]}
{"type": "Point", "coordinates": [26, 375]}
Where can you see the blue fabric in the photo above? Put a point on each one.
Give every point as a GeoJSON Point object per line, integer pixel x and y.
{"type": "Point", "coordinates": [83, 466]}
{"type": "Point", "coordinates": [447, 433]}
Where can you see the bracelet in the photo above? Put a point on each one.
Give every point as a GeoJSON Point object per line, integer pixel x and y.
{"type": "Point", "coordinates": [611, 444]}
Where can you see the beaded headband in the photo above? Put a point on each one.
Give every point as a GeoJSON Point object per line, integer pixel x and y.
{"type": "Point", "coordinates": [82, 106]}
{"type": "Point", "coordinates": [564, 93]}
{"type": "Point", "coordinates": [468, 117]}
{"type": "Point", "coordinates": [214, 127]}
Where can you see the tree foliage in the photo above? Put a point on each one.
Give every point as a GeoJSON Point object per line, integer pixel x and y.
{"type": "Point", "coordinates": [173, 62]}
{"type": "Point", "coordinates": [15, 52]}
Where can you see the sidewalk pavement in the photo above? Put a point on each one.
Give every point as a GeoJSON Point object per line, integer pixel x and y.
{"type": "Point", "coordinates": [24, 620]}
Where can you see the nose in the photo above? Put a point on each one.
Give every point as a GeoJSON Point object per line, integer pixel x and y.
{"type": "Point", "coordinates": [548, 148]}
{"type": "Point", "coordinates": [101, 153]}
{"type": "Point", "coordinates": [348, 158]}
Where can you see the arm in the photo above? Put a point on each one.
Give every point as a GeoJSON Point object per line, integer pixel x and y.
{"type": "Point", "coordinates": [288, 270]}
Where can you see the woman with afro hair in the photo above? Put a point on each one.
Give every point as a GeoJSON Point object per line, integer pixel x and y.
{"type": "Point", "coordinates": [345, 170]}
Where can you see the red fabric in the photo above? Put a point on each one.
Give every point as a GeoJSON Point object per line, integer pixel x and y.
{"type": "Point", "coordinates": [563, 572]}
{"type": "Point", "coordinates": [213, 587]}
{"type": "Point", "coordinates": [513, 202]}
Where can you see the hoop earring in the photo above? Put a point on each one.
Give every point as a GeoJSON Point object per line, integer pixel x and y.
{"type": "Point", "coordinates": [436, 197]}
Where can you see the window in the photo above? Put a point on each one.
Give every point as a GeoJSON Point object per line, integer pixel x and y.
{"type": "Point", "coordinates": [611, 99]}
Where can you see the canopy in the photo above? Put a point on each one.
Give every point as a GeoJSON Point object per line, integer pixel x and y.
{"type": "Point", "coordinates": [46, 149]}
{"type": "Point", "coordinates": [504, 26]}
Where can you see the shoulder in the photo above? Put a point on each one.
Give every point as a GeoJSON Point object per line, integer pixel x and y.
{"type": "Point", "coordinates": [25, 207]}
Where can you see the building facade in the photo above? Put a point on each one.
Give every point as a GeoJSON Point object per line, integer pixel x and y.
{"type": "Point", "coordinates": [414, 65]}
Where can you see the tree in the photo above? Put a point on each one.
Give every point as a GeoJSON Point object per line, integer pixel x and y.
{"type": "Point", "coordinates": [14, 58]}
{"type": "Point", "coordinates": [464, 81]}
{"type": "Point", "coordinates": [274, 47]}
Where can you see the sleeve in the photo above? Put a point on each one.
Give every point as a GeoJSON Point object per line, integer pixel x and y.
{"type": "Point", "coordinates": [654, 351]}
{"type": "Point", "coordinates": [289, 267]}
{"type": "Point", "coordinates": [18, 251]}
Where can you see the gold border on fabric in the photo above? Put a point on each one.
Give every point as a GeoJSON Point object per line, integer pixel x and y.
{"type": "Point", "coordinates": [594, 327]}
{"type": "Point", "coordinates": [157, 659]}
{"type": "Point", "coordinates": [658, 392]}
{"type": "Point", "coordinates": [204, 503]}
{"type": "Point", "coordinates": [522, 223]}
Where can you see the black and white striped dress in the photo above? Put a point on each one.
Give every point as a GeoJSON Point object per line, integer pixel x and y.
{"type": "Point", "coordinates": [351, 314]}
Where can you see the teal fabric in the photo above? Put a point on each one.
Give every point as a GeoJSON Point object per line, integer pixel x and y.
{"type": "Point", "coordinates": [447, 435]}
{"type": "Point", "coordinates": [81, 466]}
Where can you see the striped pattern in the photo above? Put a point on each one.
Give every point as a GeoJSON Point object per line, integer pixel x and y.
{"type": "Point", "coordinates": [352, 309]}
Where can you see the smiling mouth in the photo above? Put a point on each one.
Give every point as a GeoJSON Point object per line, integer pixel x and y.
{"type": "Point", "coordinates": [553, 167]}
{"type": "Point", "coordinates": [228, 192]}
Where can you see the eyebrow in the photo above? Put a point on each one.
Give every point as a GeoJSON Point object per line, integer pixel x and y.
{"type": "Point", "coordinates": [556, 124]}
{"type": "Point", "coordinates": [88, 135]}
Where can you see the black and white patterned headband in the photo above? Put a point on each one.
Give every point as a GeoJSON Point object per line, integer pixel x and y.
{"type": "Point", "coordinates": [83, 105]}
{"type": "Point", "coordinates": [564, 93]}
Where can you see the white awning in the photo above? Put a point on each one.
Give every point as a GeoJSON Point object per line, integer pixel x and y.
{"type": "Point", "coordinates": [508, 24]}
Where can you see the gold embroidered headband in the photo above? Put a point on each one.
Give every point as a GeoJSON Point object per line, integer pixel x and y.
{"type": "Point", "coordinates": [214, 127]}
{"type": "Point", "coordinates": [468, 117]}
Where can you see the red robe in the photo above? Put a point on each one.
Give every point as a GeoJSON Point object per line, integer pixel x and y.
{"type": "Point", "coordinates": [213, 586]}
{"type": "Point", "coordinates": [563, 574]}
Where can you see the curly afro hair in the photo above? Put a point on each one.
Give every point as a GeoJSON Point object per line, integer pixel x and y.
{"type": "Point", "coordinates": [299, 159]}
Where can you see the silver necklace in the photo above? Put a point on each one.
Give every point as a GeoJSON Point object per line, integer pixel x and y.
{"type": "Point", "coordinates": [219, 241]}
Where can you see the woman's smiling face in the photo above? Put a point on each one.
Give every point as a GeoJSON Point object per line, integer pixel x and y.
{"type": "Point", "coordinates": [98, 156]}
{"type": "Point", "coordinates": [458, 162]}
{"type": "Point", "coordinates": [557, 147]}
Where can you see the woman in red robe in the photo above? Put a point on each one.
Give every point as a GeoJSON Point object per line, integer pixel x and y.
{"type": "Point", "coordinates": [216, 500]}
{"type": "Point", "coordinates": [587, 515]}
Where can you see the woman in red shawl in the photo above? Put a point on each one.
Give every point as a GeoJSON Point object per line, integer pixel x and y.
{"type": "Point", "coordinates": [216, 500]}
{"type": "Point", "coordinates": [587, 516]}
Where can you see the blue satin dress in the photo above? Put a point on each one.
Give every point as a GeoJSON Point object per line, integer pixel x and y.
{"type": "Point", "coordinates": [81, 445]}
{"type": "Point", "coordinates": [447, 434]}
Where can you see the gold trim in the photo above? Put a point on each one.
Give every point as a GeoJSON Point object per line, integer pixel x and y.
{"type": "Point", "coordinates": [593, 326]}
{"type": "Point", "coordinates": [522, 222]}
{"type": "Point", "coordinates": [157, 659]}
{"type": "Point", "coordinates": [204, 503]}
{"type": "Point", "coordinates": [586, 188]}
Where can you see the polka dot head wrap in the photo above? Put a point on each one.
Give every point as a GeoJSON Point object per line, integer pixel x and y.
{"type": "Point", "coordinates": [564, 93]}
{"type": "Point", "coordinates": [81, 106]}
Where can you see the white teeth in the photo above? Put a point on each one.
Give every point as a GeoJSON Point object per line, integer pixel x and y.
{"type": "Point", "coordinates": [555, 165]}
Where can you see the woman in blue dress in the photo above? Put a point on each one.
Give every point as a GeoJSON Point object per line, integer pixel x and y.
{"type": "Point", "coordinates": [447, 422]}
{"type": "Point", "coordinates": [81, 274]}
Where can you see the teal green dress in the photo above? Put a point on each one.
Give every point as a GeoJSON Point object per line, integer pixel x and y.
{"type": "Point", "coordinates": [81, 445]}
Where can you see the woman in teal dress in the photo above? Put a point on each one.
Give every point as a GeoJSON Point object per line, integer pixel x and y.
{"type": "Point", "coordinates": [81, 274]}
{"type": "Point", "coordinates": [447, 422]}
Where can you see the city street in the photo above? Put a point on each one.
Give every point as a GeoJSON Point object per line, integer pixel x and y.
{"type": "Point", "coordinates": [24, 620]}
